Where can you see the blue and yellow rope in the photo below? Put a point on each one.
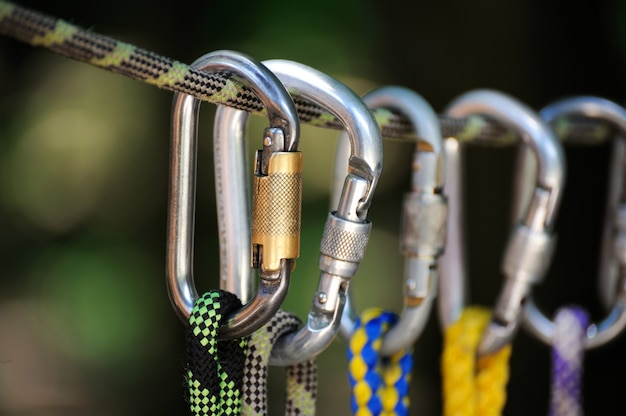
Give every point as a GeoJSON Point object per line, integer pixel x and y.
{"type": "Point", "coordinates": [380, 385]}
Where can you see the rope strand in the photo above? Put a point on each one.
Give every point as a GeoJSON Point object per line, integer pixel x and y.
{"type": "Point", "coordinates": [71, 41]}
{"type": "Point", "coordinates": [472, 387]}
{"type": "Point", "coordinates": [301, 378]}
{"type": "Point", "coordinates": [380, 385]}
{"type": "Point", "coordinates": [568, 350]}
{"type": "Point", "coordinates": [214, 369]}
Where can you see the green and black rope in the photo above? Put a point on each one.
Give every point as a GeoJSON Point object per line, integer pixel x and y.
{"type": "Point", "coordinates": [83, 45]}
{"type": "Point", "coordinates": [230, 377]}
{"type": "Point", "coordinates": [214, 369]}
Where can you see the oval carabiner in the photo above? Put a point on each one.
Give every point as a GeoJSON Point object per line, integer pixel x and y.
{"type": "Point", "coordinates": [615, 322]}
{"type": "Point", "coordinates": [424, 216]}
{"type": "Point", "coordinates": [284, 127]}
{"type": "Point", "coordinates": [531, 243]}
{"type": "Point", "coordinates": [347, 230]}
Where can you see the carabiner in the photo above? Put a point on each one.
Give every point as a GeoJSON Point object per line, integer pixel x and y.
{"type": "Point", "coordinates": [347, 230]}
{"type": "Point", "coordinates": [284, 129]}
{"type": "Point", "coordinates": [615, 243]}
{"type": "Point", "coordinates": [424, 216]}
{"type": "Point", "coordinates": [531, 244]}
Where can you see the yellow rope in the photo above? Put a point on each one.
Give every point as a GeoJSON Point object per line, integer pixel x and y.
{"type": "Point", "coordinates": [472, 387]}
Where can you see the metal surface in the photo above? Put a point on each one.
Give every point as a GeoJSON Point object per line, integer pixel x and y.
{"type": "Point", "coordinates": [612, 271]}
{"type": "Point", "coordinates": [424, 216]}
{"type": "Point", "coordinates": [181, 213]}
{"type": "Point", "coordinates": [529, 248]}
{"type": "Point", "coordinates": [347, 229]}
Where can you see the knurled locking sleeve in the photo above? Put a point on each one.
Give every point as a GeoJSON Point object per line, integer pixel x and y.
{"type": "Point", "coordinates": [343, 242]}
{"type": "Point", "coordinates": [424, 222]}
{"type": "Point", "coordinates": [276, 210]}
{"type": "Point", "coordinates": [528, 254]}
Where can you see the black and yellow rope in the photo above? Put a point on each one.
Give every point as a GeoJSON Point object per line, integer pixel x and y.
{"type": "Point", "coordinates": [301, 378]}
{"type": "Point", "coordinates": [73, 42]}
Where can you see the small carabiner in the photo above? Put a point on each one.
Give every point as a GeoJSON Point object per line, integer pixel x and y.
{"type": "Point", "coordinates": [347, 230]}
{"type": "Point", "coordinates": [424, 216]}
{"type": "Point", "coordinates": [284, 129]}
{"type": "Point", "coordinates": [530, 246]}
{"type": "Point", "coordinates": [614, 245]}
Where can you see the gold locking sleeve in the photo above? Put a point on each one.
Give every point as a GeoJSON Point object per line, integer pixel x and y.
{"type": "Point", "coordinates": [276, 211]}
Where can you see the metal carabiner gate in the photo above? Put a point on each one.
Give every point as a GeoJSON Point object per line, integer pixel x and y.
{"type": "Point", "coordinates": [530, 246]}
{"type": "Point", "coordinates": [613, 250]}
{"type": "Point", "coordinates": [424, 216]}
{"type": "Point", "coordinates": [281, 137]}
{"type": "Point", "coordinates": [346, 231]}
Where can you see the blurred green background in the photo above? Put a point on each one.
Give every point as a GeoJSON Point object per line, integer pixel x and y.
{"type": "Point", "coordinates": [85, 322]}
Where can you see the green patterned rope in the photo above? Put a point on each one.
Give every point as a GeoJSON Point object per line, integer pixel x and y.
{"type": "Point", "coordinates": [71, 41]}
{"type": "Point", "coordinates": [214, 369]}
{"type": "Point", "coordinates": [301, 377]}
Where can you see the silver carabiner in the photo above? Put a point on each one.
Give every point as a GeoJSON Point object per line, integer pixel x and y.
{"type": "Point", "coordinates": [284, 127]}
{"type": "Point", "coordinates": [347, 230]}
{"type": "Point", "coordinates": [614, 244]}
{"type": "Point", "coordinates": [424, 216]}
{"type": "Point", "coordinates": [530, 246]}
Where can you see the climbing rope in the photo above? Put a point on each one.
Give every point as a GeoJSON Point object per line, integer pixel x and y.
{"type": "Point", "coordinates": [380, 385]}
{"type": "Point", "coordinates": [214, 369]}
{"type": "Point", "coordinates": [86, 46]}
{"type": "Point", "coordinates": [301, 378]}
{"type": "Point", "coordinates": [472, 386]}
{"type": "Point", "coordinates": [568, 349]}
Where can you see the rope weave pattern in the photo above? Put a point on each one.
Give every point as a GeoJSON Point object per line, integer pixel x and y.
{"type": "Point", "coordinates": [380, 385]}
{"type": "Point", "coordinates": [76, 43]}
{"type": "Point", "coordinates": [472, 386]}
{"type": "Point", "coordinates": [301, 378]}
{"type": "Point", "coordinates": [214, 369]}
{"type": "Point", "coordinates": [568, 349]}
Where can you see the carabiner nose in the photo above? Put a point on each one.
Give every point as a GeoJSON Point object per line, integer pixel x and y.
{"type": "Point", "coordinates": [613, 250]}
{"type": "Point", "coordinates": [424, 217]}
{"type": "Point", "coordinates": [347, 230]}
{"type": "Point", "coordinates": [179, 260]}
{"type": "Point", "coordinates": [531, 243]}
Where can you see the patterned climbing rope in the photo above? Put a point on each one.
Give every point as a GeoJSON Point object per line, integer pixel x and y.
{"type": "Point", "coordinates": [472, 386]}
{"type": "Point", "coordinates": [214, 369]}
{"type": "Point", "coordinates": [71, 41]}
{"type": "Point", "coordinates": [568, 349]}
{"type": "Point", "coordinates": [301, 378]}
{"type": "Point", "coordinates": [380, 385]}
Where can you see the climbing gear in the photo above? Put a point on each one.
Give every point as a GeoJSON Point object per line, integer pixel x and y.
{"type": "Point", "coordinates": [424, 216]}
{"type": "Point", "coordinates": [615, 240]}
{"type": "Point", "coordinates": [471, 386]}
{"type": "Point", "coordinates": [379, 383]}
{"type": "Point", "coordinates": [234, 225]}
{"type": "Point", "coordinates": [568, 349]}
{"type": "Point", "coordinates": [284, 129]}
{"type": "Point", "coordinates": [63, 38]}
{"type": "Point", "coordinates": [347, 230]}
{"type": "Point", "coordinates": [380, 353]}
{"type": "Point", "coordinates": [214, 369]}
{"type": "Point", "coordinates": [531, 243]}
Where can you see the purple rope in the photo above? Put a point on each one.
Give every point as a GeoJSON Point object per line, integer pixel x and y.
{"type": "Point", "coordinates": [567, 359]}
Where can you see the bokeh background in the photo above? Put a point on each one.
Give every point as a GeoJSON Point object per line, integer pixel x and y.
{"type": "Point", "coordinates": [85, 322]}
